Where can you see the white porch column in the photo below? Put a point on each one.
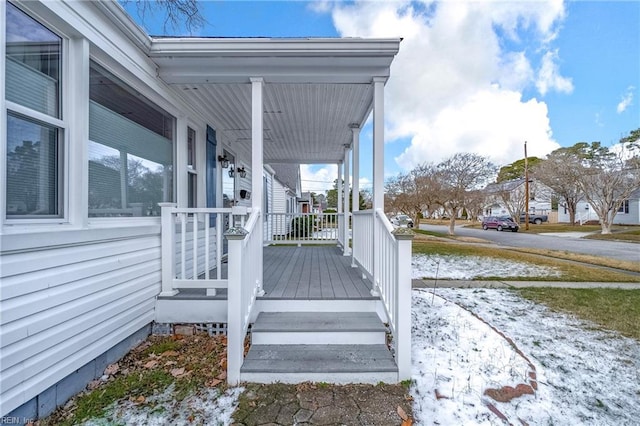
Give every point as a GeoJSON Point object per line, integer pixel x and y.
{"type": "Point", "coordinates": [257, 190]}
{"type": "Point", "coordinates": [182, 195]}
{"type": "Point", "coordinates": [346, 250]}
{"type": "Point", "coordinates": [378, 143]}
{"type": "Point", "coordinates": [339, 188]}
{"type": "Point", "coordinates": [378, 170]}
{"type": "Point", "coordinates": [355, 183]}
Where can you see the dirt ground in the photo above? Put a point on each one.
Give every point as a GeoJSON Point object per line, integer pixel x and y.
{"type": "Point", "coordinates": [188, 365]}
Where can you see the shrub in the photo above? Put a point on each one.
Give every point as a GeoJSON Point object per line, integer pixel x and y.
{"type": "Point", "coordinates": [302, 226]}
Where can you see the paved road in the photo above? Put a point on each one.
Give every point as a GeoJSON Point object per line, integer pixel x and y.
{"type": "Point", "coordinates": [611, 249]}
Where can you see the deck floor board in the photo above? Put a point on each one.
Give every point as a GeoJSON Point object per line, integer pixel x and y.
{"type": "Point", "coordinates": [304, 273]}
{"type": "Point", "coordinates": [311, 272]}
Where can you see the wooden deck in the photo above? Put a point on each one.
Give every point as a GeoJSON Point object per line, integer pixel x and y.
{"type": "Point", "coordinates": [312, 273]}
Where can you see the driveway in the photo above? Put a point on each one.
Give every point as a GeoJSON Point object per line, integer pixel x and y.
{"type": "Point", "coordinates": [571, 243]}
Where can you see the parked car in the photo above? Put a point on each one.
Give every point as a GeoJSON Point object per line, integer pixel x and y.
{"type": "Point", "coordinates": [499, 223]}
{"type": "Point", "coordinates": [399, 219]}
{"type": "Point", "coordinates": [534, 218]}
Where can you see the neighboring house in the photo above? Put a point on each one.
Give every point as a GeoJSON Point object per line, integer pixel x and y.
{"type": "Point", "coordinates": [286, 190]}
{"type": "Point", "coordinates": [511, 194]}
{"type": "Point", "coordinates": [628, 213]}
{"type": "Point", "coordinates": [133, 190]}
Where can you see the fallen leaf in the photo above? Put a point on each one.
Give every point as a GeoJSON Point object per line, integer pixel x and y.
{"type": "Point", "coordinates": [213, 383]}
{"type": "Point", "coordinates": [407, 422]}
{"type": "Point", "coordinates": [151, 364]}
{"type": "Point", "coordinates": [169, 353]}
{"type": "Point", "coordinates": [222, 376]}
{"type": "Point", "coordinates": [140, 399]}
{"type": "Point", "coordinates": [111, 369]}
{"type": "Point", "coordinates": [169, 363]}
{"type": "Point", "coordinates": [177, 372]}
{"type": "Point", "coordinates": [402, 413]}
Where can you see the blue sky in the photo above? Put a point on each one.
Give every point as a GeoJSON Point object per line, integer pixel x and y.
{"type": "Point", "coordinates": [480, 76]}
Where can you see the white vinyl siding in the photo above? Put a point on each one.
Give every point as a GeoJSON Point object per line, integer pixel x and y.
{"type": "Point", "coordinates": [70, 306]}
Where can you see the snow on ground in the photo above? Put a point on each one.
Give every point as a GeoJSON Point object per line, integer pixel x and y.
{"type": "Point", "coordinates": [585, 375]}
{"type": "Point", "coordinates": [471, 267]}
{"type": "Point", "coordinates": [207, 408]}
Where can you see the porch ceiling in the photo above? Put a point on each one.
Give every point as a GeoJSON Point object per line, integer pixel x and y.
{"type": "Point", "coordinates": [314, 89]}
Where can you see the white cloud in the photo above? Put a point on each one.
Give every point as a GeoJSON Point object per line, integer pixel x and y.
{"type": "Point", "coordinates": [549, 77]}
{"type": "Point", "coordinates": [316, 179]}
{"type": "Point", "coordinates": [626, 101]}
{"type": "Point", "coordinates": [454, 86]}
{"type": "Point", "coordinates": [494, 123]}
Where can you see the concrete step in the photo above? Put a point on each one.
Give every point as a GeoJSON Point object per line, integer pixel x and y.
{"type": "Point", "coordinates": [319, 328]}
{"type": "Point", "coordinates": [319, 363]}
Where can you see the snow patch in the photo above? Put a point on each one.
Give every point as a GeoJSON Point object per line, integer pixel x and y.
{"type": "Point", "coordinates": [585, 375]}
{"type": "Point", "coordinates": [472, 267]}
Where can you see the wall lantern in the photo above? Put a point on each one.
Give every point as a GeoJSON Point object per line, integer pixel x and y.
{"type": "Point", "coordinates": [224, 161]}
{"type": "Point", "coordinates": [242, 172]}
{"type": "Point", "coordinates": [232, 172]}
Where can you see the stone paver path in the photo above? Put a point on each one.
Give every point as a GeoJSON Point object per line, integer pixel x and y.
{"type": "Point", "coordinates": [323, 404]}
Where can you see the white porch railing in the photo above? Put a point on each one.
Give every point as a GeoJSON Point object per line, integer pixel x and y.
{"type": "Point", "coordinates": [192, 246]}
{"type": "Point", "coordinates": [301, 228]}
{"type": "Point", "coordinates": [388, 265]}
{"type": "Point", "coordinates": [245, 275]}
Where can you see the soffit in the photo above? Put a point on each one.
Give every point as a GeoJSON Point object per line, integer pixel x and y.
{"type": "Point", "coordinates": [314, 90]}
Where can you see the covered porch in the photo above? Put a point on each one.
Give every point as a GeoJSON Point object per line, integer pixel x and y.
{"type": "Point", "coordinates": [291, 282]}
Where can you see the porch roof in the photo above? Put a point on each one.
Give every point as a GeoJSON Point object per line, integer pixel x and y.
{"type": "Point", "coordinates": [315, 89]}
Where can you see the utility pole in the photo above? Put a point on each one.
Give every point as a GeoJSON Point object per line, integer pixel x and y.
{"type": "Point", "coordinates": [526, 188]}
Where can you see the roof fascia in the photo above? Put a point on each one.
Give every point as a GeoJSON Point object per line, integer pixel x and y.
{"type": "Point", "coordinates": [122, 20]}
{"type": "Point", "coordinates": [307, 47]}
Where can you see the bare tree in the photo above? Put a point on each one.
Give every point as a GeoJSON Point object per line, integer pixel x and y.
{"type": "Point", "coordinates": [177, 13]}
{"type": "Point", "coordinates": [457, 178]}
{"type": "Point", "coordinates": [411, 193]}
{"type": "Point", "coordinates": [560, 171]}
{"type": "Point", "coordinates": [606, 180]}
{"type": "Point", "coordinates": [513, 196]}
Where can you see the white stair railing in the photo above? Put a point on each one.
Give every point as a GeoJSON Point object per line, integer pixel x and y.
{"type": "Point", "coordinates": [245, 275]}
{"type": "Point", "coordinates": [389, 269]}
{"type": "Point", "coordinates": [362, 238]}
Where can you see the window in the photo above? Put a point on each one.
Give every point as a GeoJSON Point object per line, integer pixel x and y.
{"type": "Point", "coordinates": [192, 173]}
{"type": "Point", "coordinates": [35, 131]}
{"type": "Point", "coordinates": [624, 208]}
{"type": "Point", "coordinates": [130, 150]}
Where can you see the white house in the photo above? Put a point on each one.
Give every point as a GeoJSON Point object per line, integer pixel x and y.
{"type": "Point", "coordinates": [133, 189]}
{"type": "Point", "coordinates": [628, 213]}
{"type": "Point", "coordinates": [501, 196]}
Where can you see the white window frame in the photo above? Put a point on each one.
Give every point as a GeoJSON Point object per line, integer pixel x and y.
{"type": "Point", "coordinates": [60, 123]}
{"type": "Point", "coordinates": [117, 71]}
{"type": "Point", "coordinates": [192, 169]}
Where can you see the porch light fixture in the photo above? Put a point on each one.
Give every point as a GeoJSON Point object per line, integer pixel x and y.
{"type": "Point", "coordinates": [224, 161]}
{"type": "Point", "coordinates": [242, 172]}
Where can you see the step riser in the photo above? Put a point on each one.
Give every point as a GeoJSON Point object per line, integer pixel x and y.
{"type": "Point", "coordinates": [335, 378]}
{"type": "Point", "coordinates": [190, 311]}
{"type": "Point", "coordinates": [318, 338]}
{"type": "Point", "coordinates": [283, 305]}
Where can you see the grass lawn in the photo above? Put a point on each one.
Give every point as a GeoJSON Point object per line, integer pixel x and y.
{"type": "Point", "coordinates": [570, 271]}
{"type": "Point", "coordinates": [613, 309]}
{"type": "Point", "coordinates": [623, 233]}
{"type": "Point", "coordinates": [585, 258]}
